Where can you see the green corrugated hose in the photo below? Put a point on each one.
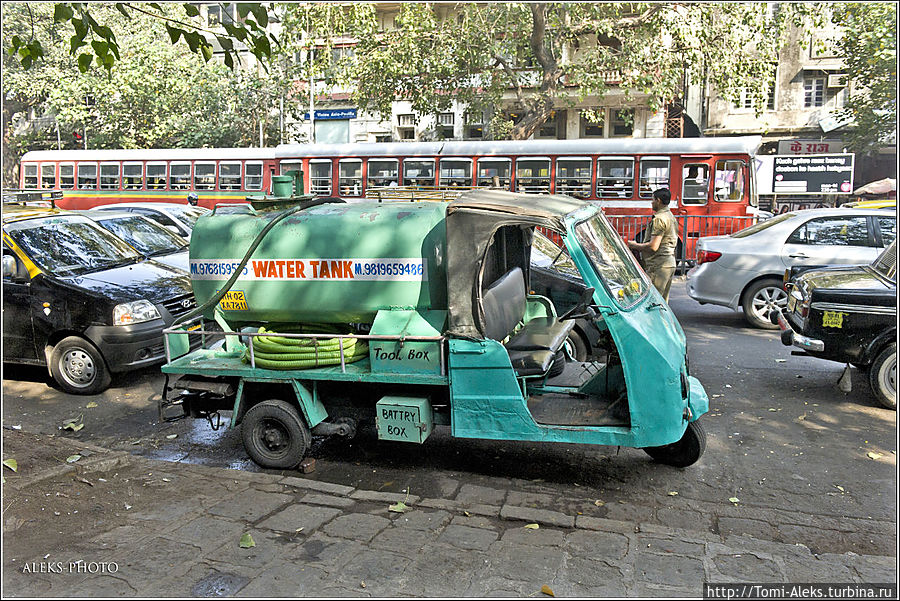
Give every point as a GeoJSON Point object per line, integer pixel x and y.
{"type": "Point", "coordinates": [279, 352]}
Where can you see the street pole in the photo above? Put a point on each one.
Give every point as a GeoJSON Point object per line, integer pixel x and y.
{"type": "Point", "coordinates": [312, 93]}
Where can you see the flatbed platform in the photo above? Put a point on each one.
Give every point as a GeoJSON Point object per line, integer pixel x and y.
{"type": "Point", "coordinates": [207, 362]}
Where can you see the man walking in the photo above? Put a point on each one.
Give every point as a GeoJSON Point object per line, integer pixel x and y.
{"type": "Point", "coordinates": [659, 252]}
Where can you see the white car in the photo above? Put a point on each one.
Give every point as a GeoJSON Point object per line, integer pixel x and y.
{"type": "Point", "coordinates": [179, 218]}
{"type": "Point", "coordinates": [144, 235]}
{"type": "Point", "coordinates": [745, 270]}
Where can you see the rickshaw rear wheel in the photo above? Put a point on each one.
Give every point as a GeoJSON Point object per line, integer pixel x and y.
{"type": "Point", "coordinates": [686, 451]}
{"type": "Point", "coordinates": [274, 434]}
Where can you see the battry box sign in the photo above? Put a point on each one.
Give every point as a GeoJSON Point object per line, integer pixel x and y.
{"type": "Point", "coordinates": [813, 174]}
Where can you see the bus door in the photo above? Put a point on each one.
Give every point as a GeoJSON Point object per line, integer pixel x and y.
{"type": "Point", "coordinates": [692, 192]}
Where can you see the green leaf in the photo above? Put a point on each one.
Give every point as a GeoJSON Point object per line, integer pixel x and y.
{"type": "Point", "coordinates": [261, 15]}
{"type": "Point", "coordinates": [734, 500]}
{"type": "Point", "coordinates": [192, 38]}
{"type": "Point", "coordinates": [174, 33]}
{"type": "Point", "coordinates": [229, 61]}
{"type": "Point", "coordinates": [225, 42]}
{"type": "Point", "coordinates": [244, 9]}
{"type": "Point", "coordinates": [72, 458]}
{"type": "Point", "coordinates": [90, 405]}
{"type": "Point", "coordinates": [207, 52]}
{"type": "Point", "coordinates": [247, 541]}
{"type": "Point", "coordinates": [121, 8]}
{"type": "Point", "coordinates": [237, 32]}
{"type": "Point", "coordinates": [100, 48]}
{"type": "Point", "coordinates": [11, 464]}
{"type": "Point", "coordinates": [532, 526]}
{"type": "Point", "coordinates": [62, 13]}
{"type": "Point", "coordinates": [398, 507]}
{"type": "Point", "coordinates": [191, 10]}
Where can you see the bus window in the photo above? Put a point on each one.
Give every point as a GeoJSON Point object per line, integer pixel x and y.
{"type": "Point", "coordinates": [456, 173]}
{"type": "Point", "coordinates": [654, 175]}
{"type": "Point", "coordinates": [229, 176]}
{"type": "Point", "coordinates": [729, 181]}
{"type": "Point", "coordinates": [48, 175]}
{"type": "Point", "coordinates": [418, 173]}
{"type": "Point", "coordinates": [382, 173]}
{"type": "Point", "coordinates": [320, 177]}
{"type": "Point", "coordinates": [573, 177]}
{"type": "Point", "coordinates": [87, 176]}
{"type": "Point", "coordinates": [67, 176]}
{"type": "Point", "coordinates": [156, 176]}
{"type": "Point", "coordinates": [533, 176]}
{"type": "Point", "coordinates": [29, 175]}
{"type": "Point", "coordinates": [181, 176]}
{"type": "Point", "coordinates": [350, 177]}
{"type": "Point", "coordinates": [132, 176]}
{"type": "Point", "coordinates": [254, 179]}
{"type": "Point", "coordinates": [695, 184]}
{"type": "Point", "coordinates": [204, 176]}
{"type": "Point", "coordinates": [615, 178]}
{"type": "Point", "coordinates": [109, 176]}
{"type": "Point", "coordinates": [494, 172]}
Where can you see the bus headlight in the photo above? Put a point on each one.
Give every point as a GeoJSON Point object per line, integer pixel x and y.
{"type": "Point", "coordinates": [134, 312]}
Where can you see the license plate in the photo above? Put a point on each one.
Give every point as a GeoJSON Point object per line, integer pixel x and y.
{"type": "Point", "coordinates": [833, 319]}
{"type": "Point", "coordinates": [792, 304]}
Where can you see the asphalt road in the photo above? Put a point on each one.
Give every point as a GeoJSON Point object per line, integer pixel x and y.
{"type": "Point", "coordinates": [806, 462]}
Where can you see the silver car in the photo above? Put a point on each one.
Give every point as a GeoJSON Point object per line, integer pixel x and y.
{"type": "Point", "coordinates": [178, 218]}
{"type": "Point", "coordinates": [145, 235]}
{"type": "Point", "coordinates": [744, 271]}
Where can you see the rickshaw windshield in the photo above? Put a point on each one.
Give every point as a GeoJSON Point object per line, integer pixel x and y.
{"type": "Point", "coordinates": [614, 263]}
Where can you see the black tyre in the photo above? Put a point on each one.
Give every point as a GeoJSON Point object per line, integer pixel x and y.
{"type": "Point", "coordinates": [558, 365]}
{"type": "Point", "coordinates": [575, 348]}
{"type": "Point", "coordinates": [883, 377]}
{"type": "Point", "coordinates": [78, 367]}
{"type": "Point", "coordinates": [274, 434]}
{"type": "Point", "coordinates": [686, 451]}
{"type": "Point", "coordinates": [760, 300]}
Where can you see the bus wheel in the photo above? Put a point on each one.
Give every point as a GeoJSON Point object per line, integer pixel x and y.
{"type": "Point", "coordinates": [686, 451]}
{"type": "Point", "coordinates": [78, 367]}
{"type": "Point", "coordinates": [274, 434]}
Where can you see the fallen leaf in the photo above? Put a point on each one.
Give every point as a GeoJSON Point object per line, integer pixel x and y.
{"type": "Point", "coordinates": [734, 500]}
{"type": "Point", "coordinates": [247, 541]}
{"type": "Point", "coordinates": [467, 514]}
{"type": "Point", "coordinates": [874, 455]}
{"type": "Point", "coordinates": [673, 493]}
{"type": "Point", "coordinates": [91, 405]}
{"type": "Point", "coordinates": [72, 458]}
{"type": "Point", "coordinates": [166, 480]}
{"type": "Point", "coordinates": [772, 409]}
{"type": "Point", "coordinates": [300, 529]}
{"type": "Point", "coordinates": [532, 526]}
{"type": "Point", "coordinates": [840, 488]}
{"type": "Point", "coordinates": [73, 426]}
{"type": "Point", "coordinates": [362, 583]}
{"type": "Point", "coordinates": [171, 436]}
{"type": "Point", "coordinates": [398, 507]}
{"type": "Point", "coordinates": [547, 591]}
{"type": "Point", "coordinates": [599, 503]}
{"type": "Point", "coordinates": [88, 482]}
{"type": "Point", "coordinates": [11, 464]}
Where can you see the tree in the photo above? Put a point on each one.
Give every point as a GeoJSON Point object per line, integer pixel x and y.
{"type": "Point", "coordinates": [869, 48]}
{"type": "Point", "coordinates": [94, 41]}
{"type": "Point", "coordinates": [539, 56]}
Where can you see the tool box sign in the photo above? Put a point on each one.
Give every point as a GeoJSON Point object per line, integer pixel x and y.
{"type": "Point", "coordinates": [328, 270]}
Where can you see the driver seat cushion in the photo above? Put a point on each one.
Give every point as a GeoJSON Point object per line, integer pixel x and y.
{"type": "Point", "coordinates": [542, 333]}
{"type": "Point", "coordinates": [531, 362]}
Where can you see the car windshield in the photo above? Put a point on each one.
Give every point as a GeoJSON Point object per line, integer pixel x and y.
{"type": "Point", "coordinates": [69, 245]}
{"type": "Point", "coordinates": [624, 280]}
{"type": "Point", "coordinates": [749, 231]}
{"type": "Point", "coordinates": [148, 237]}
{"type": "Point", "coordinates": [886, 263]}
{"type": "Point", "coordinates": [546, 254]}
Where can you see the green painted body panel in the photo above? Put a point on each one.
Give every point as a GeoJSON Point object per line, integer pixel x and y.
{"type": "Point", "coordinates": [407, 357]}
{"type": "Point", "coordinates": [402, 418]}
{"type": "Point", "coordinates": [333, 263]}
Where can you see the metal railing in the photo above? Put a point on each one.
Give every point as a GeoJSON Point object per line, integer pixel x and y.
{"type": "Point", "coordinates": [690, 229]}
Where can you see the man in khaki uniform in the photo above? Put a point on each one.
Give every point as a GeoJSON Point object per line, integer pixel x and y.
{"type": "Point", "coordinates": [659, 252]}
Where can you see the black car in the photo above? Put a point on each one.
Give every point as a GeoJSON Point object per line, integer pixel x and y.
{"type": "Point", "coordinates": [848, 314]}
{"type": "Point", "coordinates": [81, 301]}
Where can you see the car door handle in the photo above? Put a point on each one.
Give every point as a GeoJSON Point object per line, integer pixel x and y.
{"type": "Point", "coordinates": [799, 256]}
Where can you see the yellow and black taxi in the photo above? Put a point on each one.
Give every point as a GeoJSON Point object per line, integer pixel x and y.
{"type": "Point", "coordinates": [80, 300]}
{"type": "Point", "coordinates": [848, 314]}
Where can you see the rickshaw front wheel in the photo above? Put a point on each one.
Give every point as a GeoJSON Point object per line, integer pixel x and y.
{"type": "Point", "coordinates": [686, 451]}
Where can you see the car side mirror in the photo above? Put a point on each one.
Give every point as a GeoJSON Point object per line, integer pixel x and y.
{"type": "Point", "coordinates": [9, 267]}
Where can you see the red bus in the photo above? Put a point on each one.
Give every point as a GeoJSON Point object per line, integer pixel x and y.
{"type": "Point", "coordinates": [712, 179]}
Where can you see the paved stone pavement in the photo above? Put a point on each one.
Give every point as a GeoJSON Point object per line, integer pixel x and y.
{"type": "Point", "coordinates": [112, 524]}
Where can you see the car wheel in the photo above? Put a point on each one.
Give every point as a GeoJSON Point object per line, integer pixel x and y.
{"type": "Point", "coordinates": [575, 348]}
{"type": "Point", "coordinates": [761, 299]}
{"type": "Point", "coordinates": [883, 377]}
{"type": "Point", "coordinates": [686, 451]}
{"type": "Point", "coordinates": [78, 367]}
{"type": "Point", "coordinates": [274, 434]}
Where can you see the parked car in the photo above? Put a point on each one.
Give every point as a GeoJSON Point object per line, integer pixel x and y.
{"type": "Point", "coordinates": [554, 275]}
{"type": "Point", "coordinates": [745, 270]}
{"type": "Point", "coordinates": [178, 218]}
{"type": "Point", "coordinates": [882, 203]}
{"type": "Point", "coordinates": [146, 236]}
{"type": "Point", "coordinates": [849, 315]}
{"type": "Point", "coordinates": [81, 301]}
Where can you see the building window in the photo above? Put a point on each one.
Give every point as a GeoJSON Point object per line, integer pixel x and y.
{"type": "Point", "coordinates": [407, 124]}
{"type": "Point", "coordinates": [384, 138]}
{"type": "Point", "coordinates": [813, 92]}
{"type": "Point", "coordinates": [219, 14]}
{"type": "Point", "coordinates": [445, 124]}
{"type": "Point", "coordinates": [592, 124]}
{"type": "Point", "coordinates": [621, 123]}
{"type": "Point", "coordinates": [474, 125]}
{"type": "Point", "coordinates": [554, 127]}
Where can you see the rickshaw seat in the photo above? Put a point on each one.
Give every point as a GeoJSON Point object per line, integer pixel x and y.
{"type": "Point", "coordinates": [532, 349]}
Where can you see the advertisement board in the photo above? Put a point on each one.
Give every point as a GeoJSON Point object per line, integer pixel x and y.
{"type": "Point", "coordinates": [813, 174]}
